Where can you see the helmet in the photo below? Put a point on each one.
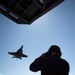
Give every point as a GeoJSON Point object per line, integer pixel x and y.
{"type": "Point", "coordinates": [54, 48]}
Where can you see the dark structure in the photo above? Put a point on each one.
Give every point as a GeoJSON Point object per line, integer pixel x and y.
{"type": "Point", "coordinates": [26, 11]}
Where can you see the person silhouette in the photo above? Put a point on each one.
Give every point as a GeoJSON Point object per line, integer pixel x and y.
{"type": "Point", "coordinates": [51, 63]}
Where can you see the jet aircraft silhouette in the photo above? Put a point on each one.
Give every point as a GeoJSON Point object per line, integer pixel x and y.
{"type": "Point", "coordinates": [18, 53]}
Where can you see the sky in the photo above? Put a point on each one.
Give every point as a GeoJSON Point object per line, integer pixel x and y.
{"type": "Point", "coordinates": [56, 27]}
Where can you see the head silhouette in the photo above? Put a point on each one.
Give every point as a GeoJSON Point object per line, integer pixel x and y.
{"type": "Point", "coordinates": [54, 49]}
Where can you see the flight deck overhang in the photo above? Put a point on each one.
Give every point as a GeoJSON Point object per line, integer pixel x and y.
{"type": "Point", "coordinates": [26, 11]}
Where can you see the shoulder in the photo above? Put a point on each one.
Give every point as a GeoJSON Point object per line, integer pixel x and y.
{"type": "Point", "coordinates": [65, 62]}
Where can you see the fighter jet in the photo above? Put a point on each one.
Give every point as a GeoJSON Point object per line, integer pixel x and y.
{"type": "Point", "coordinates": [18, 54]}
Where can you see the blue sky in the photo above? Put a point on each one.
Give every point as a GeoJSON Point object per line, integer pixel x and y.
{"type": "Point", "coordinates": [55, 27]}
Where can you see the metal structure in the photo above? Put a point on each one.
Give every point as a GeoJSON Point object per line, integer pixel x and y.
{"type": "Point", "coordinates": [26, 11]}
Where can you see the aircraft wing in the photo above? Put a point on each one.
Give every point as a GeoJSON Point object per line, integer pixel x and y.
{"type": "Point", "coordinates": [23, 55]}
{"type": "Point", "coordinates": [12, 53]}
